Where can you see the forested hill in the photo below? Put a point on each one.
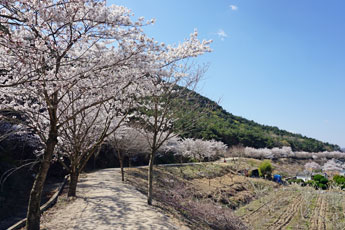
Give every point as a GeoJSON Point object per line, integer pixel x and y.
{"type": "Point", "coordinates": [216, 123]}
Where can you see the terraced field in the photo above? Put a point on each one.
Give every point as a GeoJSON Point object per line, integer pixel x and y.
{"type": "Point", "coordinates": [296, 207]}
{"type": "Point", "coordinates": [258, 203]}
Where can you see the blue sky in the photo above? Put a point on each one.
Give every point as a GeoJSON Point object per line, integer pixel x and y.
{"type": "Point", "coordinates": [277, 62]}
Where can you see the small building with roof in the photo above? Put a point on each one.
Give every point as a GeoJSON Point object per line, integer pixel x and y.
{"type": "Point", "coordinates": [305, 176]}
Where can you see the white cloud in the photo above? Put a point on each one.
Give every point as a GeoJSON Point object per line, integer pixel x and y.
{"type": "Point", "coordinates": [221, 34]}
{"type": "Point", "coordinates": [233, 7]}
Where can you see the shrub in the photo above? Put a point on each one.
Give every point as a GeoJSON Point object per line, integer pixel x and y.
{"type": "Point", "coordinates": [265, 169]}
{"type": "Point", "coordinates": [320, 178]}
{"type": "Point", "coordinates": [311, 183]}
{"type": "Point", "coordinates": [339, 180]}
{"type": "Point", "coordinates": [320, 181]}
{"type": "Point", "coordinates": [297, 181]}
{"type": "Point", "coordinates": [322, 186]}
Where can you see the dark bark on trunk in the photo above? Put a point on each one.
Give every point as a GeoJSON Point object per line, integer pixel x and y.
{"type": "Point", "coordinates": [122, 170]}
{"type": "Point", "coordinates": [120, 156]}
{"type": "Point", "coordinates": [73, 184]}
{"type": "Point", "coordinates": [150, 178]}
{"type": "Point", "coordinates": [34, 214]}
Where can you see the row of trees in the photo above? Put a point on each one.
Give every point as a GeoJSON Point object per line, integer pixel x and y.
{"type": "Point", "coordinates": [284, 152]}
{"type": "Point", "coordinates": [197, 149]}
{"type": "Point", "coordinates": [330, 165]}
{"type": "Point", "coordinates": [130, 142]}
{"type": "Point", "coordinates": [76, 71]}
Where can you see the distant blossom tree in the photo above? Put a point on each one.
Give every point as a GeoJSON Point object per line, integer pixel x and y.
{"type": "Point", "coordinates": [258, 153]}
{"type": "Point", "coordinates": [312, 166]}
{"type": "Point", "coordinates": [286, 152]}
{"type": "Point", "coordinates": [127, 141]}
{"type": "Point", "coordinates": [197, 149]}
{"type": "Point", "coordinates": [282, 152]}
{"type": "Point", "coordinates": [333, 165]}
{"type": "Point", "coordinates": [82, 136]}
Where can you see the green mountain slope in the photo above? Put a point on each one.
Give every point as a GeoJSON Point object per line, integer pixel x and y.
{"type": "Point", "coordinates": [216, 123]}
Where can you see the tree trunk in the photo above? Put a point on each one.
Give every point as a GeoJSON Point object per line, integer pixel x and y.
{"type": "Point", "coordinates": [34, 213]}
{"type": "Point", "coordinates": [122, 170]}
{"type": "Point", "coordinates": [120, 156]}
{"type": "Point", "coordinates": [150, 178]}
{"type": "Point", "coordinates": [73, 183]}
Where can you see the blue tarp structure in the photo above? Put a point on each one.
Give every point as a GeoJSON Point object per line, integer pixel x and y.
{"type": "Point", "coordinates": [277, 178]}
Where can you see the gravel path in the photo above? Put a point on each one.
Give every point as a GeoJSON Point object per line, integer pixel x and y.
{"type": "Point", "coordinates": [104, 202]}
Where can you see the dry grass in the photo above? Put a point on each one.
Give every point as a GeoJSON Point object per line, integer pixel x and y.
{"type": "Point", "coordinates": [296, 207]}
{"type": "Point", "coordinates": [204, 194]}
{"type": "Point", "coordinates": [260, 204]}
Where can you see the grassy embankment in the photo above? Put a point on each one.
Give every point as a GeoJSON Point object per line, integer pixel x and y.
{"type": "Point", "coordinates": [215, 196]}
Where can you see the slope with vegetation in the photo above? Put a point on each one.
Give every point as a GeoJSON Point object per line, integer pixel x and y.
{"type": "Point", "coordinates": [218, 196]}
{"type": "Point", "coordinates": [216, 123]}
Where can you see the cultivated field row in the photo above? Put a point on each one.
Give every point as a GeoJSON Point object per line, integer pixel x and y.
{"type": "Point", "coordinates": [296, 207]}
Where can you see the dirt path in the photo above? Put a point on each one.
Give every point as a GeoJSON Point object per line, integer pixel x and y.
{"type": "Point", "coordinates": [104, 202]}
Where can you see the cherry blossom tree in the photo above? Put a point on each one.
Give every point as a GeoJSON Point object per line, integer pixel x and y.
{"type": "Point", "coordinates": [312, 166]}
{"type": "Point", "coordinates": [200, 149]}
{"type": "Point", "coordinates": [127, 141]}
{"type": "Point", "coordinates": [218, 148]}
{"type": "Point", "coordinates": [173, 145]}
{"type": "Point", "coordinates": [329, 155]}
{"type": "Point", "coordinates": [50, 48]}
{"type": "Point", "coordinates": [157, 112]}
{"type": "Point", "coordinates": [82, 136]}
{"type": "Point", "coordinates": [302, 155]}
{"type": "Point", "coordinates": [333, 165]}
{"type": "Point", "coordinates": [264, 153]}
{"type": "Point", "coordinates": [286, 152]}
{"type": "Point", "coordinates": [282, 152]}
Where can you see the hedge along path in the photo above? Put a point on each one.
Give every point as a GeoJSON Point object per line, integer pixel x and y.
{"type": "Point", "coordinates": [104, 202]}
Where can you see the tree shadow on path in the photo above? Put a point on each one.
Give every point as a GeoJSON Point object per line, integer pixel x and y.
{"type": "Point", "coordinates": [104, 202]}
